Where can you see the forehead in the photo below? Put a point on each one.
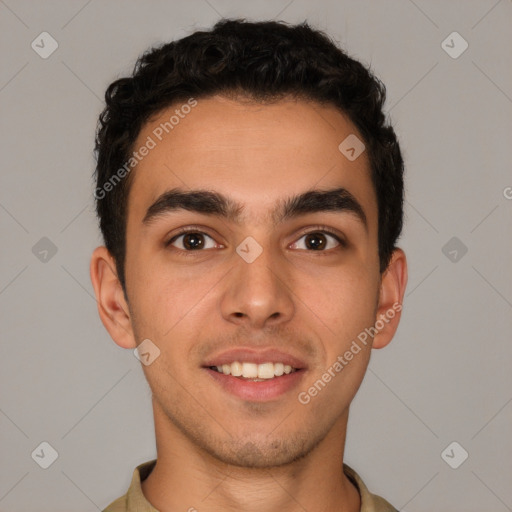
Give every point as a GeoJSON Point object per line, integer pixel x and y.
{"type": "Point", "coordinates": [253, 153]}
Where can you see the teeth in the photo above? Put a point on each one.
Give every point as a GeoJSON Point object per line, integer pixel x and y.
{"type": "Point", "coordinates": [265, 371]}
{"type": "Point", "coordinates": [236, 369]}
{"type": "Point", "coordinates": [278, 369]}
{"type": "Point", "coordinates": [255, 371]}
{"type": "Point", "coordinates": [249, 370]}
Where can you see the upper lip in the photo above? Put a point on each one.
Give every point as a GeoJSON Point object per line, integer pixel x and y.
{"type": "Point", "coordinates": [250, 355]}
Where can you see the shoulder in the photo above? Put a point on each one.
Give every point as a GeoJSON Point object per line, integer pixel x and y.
{"type": "Point", "coordinates": [369, 502]}
{"type": "Point", "coordinates": [134, 498]}
{"type": "Point", "coordinates": [118, 505]}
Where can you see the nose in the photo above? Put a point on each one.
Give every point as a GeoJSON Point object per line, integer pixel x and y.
{"type": "Point", "coordinates": [257, 294]}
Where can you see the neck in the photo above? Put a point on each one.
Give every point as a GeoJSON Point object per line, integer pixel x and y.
{"type": "Point", "coordinates": [187, 478]}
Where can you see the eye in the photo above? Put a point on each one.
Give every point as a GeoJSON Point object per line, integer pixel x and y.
{"type": "Point", "coordinates": [192, 241]}
{"type": "Point", "coordinates": [318, 241]}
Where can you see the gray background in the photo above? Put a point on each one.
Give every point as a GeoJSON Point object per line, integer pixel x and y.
{"type": "Point", "coordinates": [446, 376]}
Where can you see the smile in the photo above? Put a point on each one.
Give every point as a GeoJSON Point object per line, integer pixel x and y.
{"type": "Point", "coordinates": [256, 372]}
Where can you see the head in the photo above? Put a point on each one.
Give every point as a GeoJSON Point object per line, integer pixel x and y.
{"type": "Point", "coordinates": [237, 134]}
{"type": "Point", "coordinates": [262, 61]}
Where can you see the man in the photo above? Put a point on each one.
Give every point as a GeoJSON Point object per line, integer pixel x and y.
{"type": "Point", "coordinates": [249, 193]}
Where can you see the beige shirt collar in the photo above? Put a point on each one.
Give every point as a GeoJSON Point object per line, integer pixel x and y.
{"type": "Point", "coordinates": [135, 501]}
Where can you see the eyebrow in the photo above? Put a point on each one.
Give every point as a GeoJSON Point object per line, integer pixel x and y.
{"type": "Point", "coordinates": [213, 203]}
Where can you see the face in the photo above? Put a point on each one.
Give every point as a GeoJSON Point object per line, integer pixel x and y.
{"type": "Point", "coordinates": [256, 278]}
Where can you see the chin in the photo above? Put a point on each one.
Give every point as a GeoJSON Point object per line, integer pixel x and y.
{"type": "Point", "coordinates": [263, 453]}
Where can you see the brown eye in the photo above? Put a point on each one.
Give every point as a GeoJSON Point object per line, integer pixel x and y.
{"type": "Point", "coordinates": [192, 241]}
{"type": "Point", "coordinates": [317, 241]}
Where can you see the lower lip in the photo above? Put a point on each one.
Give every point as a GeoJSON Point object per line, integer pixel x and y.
{"type": "Point", "coordinates": [260, 391]}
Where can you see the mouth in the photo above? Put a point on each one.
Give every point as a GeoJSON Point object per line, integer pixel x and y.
{"type": "Point", "coordinates": [256, 376]}
{"type": "Point", "coordinates": [255, 372]}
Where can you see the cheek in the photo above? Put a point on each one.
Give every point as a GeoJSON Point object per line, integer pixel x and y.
{"type": "Point", "coordinates": [169, 300]}
{"type": "Point", "coordinates": [339, 314]}
{"type": "Point", "coordinates": [342, 302]}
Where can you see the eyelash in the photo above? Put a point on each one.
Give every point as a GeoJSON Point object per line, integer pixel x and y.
{"type": "Point", "coordinates": [311, 230]}
{"type": "Point", "coordinates": [326, 231]}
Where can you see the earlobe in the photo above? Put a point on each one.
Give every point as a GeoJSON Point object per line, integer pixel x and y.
{"type": "Point", "coordinates": [392, 289]}
{"type": "Point", "coordinates": [112, 306]}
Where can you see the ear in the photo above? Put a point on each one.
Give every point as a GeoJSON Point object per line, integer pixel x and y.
{"type": "Point", "coordinates": [112, 306]}
{"type": "Point", "coordinates": [392, 289]}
